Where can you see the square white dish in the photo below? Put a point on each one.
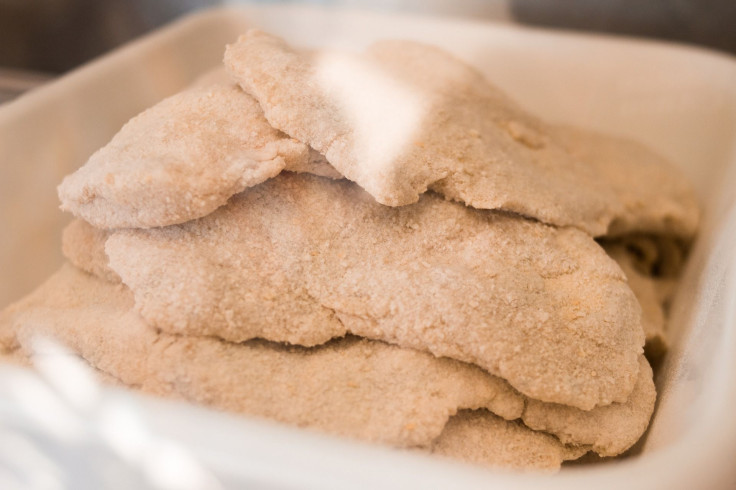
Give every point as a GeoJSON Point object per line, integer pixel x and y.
{"type": "Point", "coordinates": [681, 101]}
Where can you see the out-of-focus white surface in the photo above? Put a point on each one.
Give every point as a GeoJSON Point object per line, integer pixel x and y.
{"type": "Point", "coordinates": [681, 101]}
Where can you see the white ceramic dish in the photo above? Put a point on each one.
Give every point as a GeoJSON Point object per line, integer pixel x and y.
{"type": "Point", "coordinates": [679, 100]}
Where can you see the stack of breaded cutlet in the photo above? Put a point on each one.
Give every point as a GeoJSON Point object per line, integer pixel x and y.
{"type": "Point", "coordinates": [382, 246]}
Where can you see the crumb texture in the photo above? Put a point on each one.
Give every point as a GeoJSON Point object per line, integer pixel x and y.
{"type": "Point", "coordinates": [84, 246]}
{"type": "Point", "coordinates": [452, 131]}
{"type": "Point", "coordinates": [482, 438]}
{"type": "Point", "coordinates": [379, 245]}
{"type": "Point", "coordinates": [302, 259]}
{"type": "Point", "coordinates": [351, 386]}
{"type": "Point", "coordinates": [180, 160]}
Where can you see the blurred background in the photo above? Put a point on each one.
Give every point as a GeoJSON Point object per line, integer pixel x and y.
{"type": "Point", "coordinates": [41, 39]}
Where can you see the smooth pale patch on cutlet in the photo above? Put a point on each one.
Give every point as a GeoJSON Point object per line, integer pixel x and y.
{"type": "Point", "coordinates": [302, 259]}
{"type": "Point", "coordinates": [404, 117]}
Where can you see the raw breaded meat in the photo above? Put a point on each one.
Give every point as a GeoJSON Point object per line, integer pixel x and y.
{"type": "Point", "coordinates": [394, 395]}
{"type": "Point", "coordinates": [404, 117]}
{"type": "Point", "coordinates": [182, 159]}
{"type": "Point", "coordinates": [303, 259]}
{"type": "Point", "coordinates": [84, 246]}
{"type": "Point", "coordinates": [656, 196]}
{"type": "Point", "coordinates": [482, 438]}
{"type": "Point", "coordinates": [648, 292]}
{"type": "Point", "coordinates": [351, 387]}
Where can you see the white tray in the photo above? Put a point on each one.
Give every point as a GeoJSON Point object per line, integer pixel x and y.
{"type": "Point", "coordinates": [679, 100]}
